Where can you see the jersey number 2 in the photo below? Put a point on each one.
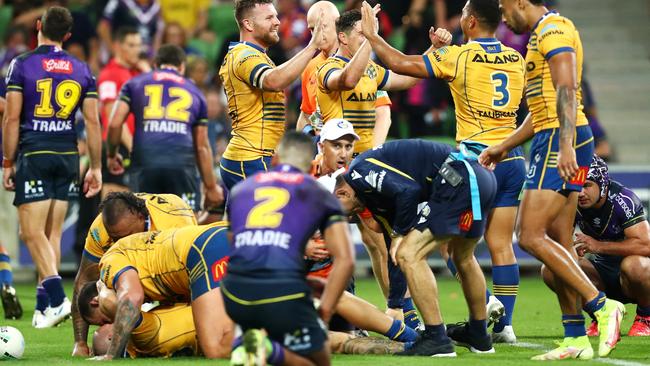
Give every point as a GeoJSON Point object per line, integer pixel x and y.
{"type": "Point", "coordinates": [66, 95]}
{"type": "Point", "coordinates": [176, 110]}
{"type": "Point", "coordinates": [501, 93]}
{"type": "Point", "coordinates": [265, 214]}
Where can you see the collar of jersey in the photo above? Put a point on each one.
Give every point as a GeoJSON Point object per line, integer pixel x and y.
{"type": "Point", "coordinates": [169, 70]}
{"type": "Point", "coordinates": [286, 168]}
{"type": "Point", "coordinates": [485, 40]}
{"type": "Point", "coordinates": [257, 47]}
{"type": "Point", "coordinates": [49, 47]}
{"type": "Point", "coordinates": [549, 13]}
{"type": "Point", "coordinates": [342, 58]}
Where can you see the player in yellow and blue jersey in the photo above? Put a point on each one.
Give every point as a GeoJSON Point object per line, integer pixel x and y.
{"type": "Point", "coordinates": [348, 82]}
{"type": "Point", "coordinates": [254, 89]}
{"type": "Point", "coordinates": [560, 157]}
{"type": "Point", "coordinates": [486, 80]}
{"type": "Point", "coordinates": [184, 265]}
{"type": "Point", "coordinates": [122, 214]}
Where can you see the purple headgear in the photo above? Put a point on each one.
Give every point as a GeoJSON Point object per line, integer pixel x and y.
{"type": "Point", "coordinates": [599, 173]}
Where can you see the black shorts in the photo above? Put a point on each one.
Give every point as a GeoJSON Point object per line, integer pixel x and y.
{"type": "Point", "coordinates": [449, 209]}
{"type": "Point", "coordinates": [183, 182]}
{"type": "Point", "coordinates": [610, 274]}
{"type": "Point", "coordinates": [283, 307]}
{"type": "Point", "coordinates": [44, 176]}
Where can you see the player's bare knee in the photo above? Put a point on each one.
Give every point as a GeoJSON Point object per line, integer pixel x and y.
{"type": "Point", "coordinates": [529, 239]}
{"type": "Point", "coordinates": [547, 276]}
{"type": "Point", "coordinates": [635, 268]}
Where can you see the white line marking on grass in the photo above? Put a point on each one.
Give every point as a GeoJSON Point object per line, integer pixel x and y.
{"type": "Point", "coordinates": [611, 361]}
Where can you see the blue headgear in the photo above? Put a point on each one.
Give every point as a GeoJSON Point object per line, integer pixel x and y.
{"type": "Point", "coordinates": [599, 173]}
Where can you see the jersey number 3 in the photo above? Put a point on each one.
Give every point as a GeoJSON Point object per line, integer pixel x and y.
{"type": "Point", "coordinates": [265, 213]}
{"type": "Point", "coordinates": [501, 93]}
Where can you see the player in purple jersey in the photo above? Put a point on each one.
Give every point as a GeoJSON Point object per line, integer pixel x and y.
{"type": "Point", "coordinates": [171, 133]}
{"type": "Point", "coordinates": [45, 88]}
{"type": "Point", "coordinates": [273, 215]}
{"type": "Point", "coordinates": [616, 233]}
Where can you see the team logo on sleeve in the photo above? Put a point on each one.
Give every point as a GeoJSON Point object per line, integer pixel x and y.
{"type": "Point", "coordinates": [57, 65]}
{"type": "Point", "coordinates": [580, 176]}
{"type": "Point", "coordinates": [465, 221]}
{"type": "Point", "coordinates": [219, 268]}
{"type": "Point", "coordinates": [371, 72]}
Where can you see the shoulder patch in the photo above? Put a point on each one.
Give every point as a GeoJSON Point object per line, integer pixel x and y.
{"type": "Point", "coordinates": [94, 233]}
{"type": "Point", "coordinates": [547, 28]}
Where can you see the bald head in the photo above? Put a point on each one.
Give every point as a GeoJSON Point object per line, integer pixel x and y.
{"type": "Point", "coordinates": [329, 10]}
{"type": "Point", "coordinates": [102, 339]}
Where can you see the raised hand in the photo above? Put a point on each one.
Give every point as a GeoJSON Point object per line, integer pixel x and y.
{"type": "Point", "coordinates": [439, 37]}
{"type": "Point", "coordinates": [369, 22]}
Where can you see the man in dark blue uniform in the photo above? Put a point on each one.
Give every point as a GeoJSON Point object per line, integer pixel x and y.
{"type": "Point", "coordinates": [171, 133]}
{"type": "Point", "coordinates": [45, 88]}
{"type": "Point", "coordinates": [454, 194]}
{"type": "Point", "coordinates": [615, 231]}
{"type": "Point", "coordinates": [273, 215]}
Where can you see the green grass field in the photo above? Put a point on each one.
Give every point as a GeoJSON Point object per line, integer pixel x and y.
{"type": "Point", "coordinates": [536, 322]}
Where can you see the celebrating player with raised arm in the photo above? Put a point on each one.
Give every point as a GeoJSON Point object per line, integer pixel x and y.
{"type": "Point", "coordinates": [254, 88]}
{"type": "Point", "coordinates": [486, 80]}
{"type": "Point", "coordinates": [45, 88]}
{"type": "Point", "coordinates": [560, 156]}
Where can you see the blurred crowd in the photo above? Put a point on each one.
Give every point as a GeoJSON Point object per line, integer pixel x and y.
{"type": "Point", "coordinates": [204, 28]}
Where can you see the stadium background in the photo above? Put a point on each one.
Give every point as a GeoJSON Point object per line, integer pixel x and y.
{"type": "Point", "coordinates": [614, 36]}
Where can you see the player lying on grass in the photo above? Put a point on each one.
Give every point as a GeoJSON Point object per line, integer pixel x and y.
{"type": "Point", "coordinates": [164, 331]}
{"type": "Point", "coordinates": [616, 239]}
{"type": "Point", "coordinates": [122, 214]}
{"type": "Point", "coordinates": [176, 265]}
{"type": "Point", "coordinates": [391, 181]}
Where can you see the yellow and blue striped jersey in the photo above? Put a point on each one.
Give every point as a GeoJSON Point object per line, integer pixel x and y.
{"type": "Point", "coordinates": [486, 80]}
{"type": "Point", "coordinates": [551, 35]}
{"type": "Point", "coordinates": [163, 332]}
{"type": "Point", "coordinates": [356, 105]}
{"type": "Point", "coordinates": [166, 211]}
{"type": "Point", "coordinates": [258, 116]}
{"type": "Point", "coordinates": [159, 257]}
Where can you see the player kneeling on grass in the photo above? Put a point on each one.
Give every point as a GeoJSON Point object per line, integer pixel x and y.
{"type": "Point", "coordinates": [616, 233]}
{"type": "Point", "coordinates": [273, 215]}
{"type": "Point", "coordinates": [182, 265]}
{"type": "Point", "coordinates": [164, 331]}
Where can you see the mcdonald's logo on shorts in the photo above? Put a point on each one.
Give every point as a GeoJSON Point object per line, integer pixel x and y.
{"type": "Point", "coordinates": [219, 268]}
{"type": "Point", "coordinates": [465, 220]}
{"type": "Point", "coordinates": [580, 176]}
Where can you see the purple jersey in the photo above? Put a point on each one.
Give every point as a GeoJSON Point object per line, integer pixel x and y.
{"type": "Point", "coordinates": [621, 210]}
{"type": "Point", "coordinates": [272, 216]}
{"type": "Point", "coordinates": [54, 85]}
{"type": "Point", "coordinates": [166, 107]}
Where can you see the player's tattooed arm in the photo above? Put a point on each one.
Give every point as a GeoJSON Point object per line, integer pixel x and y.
{"type": "Point", "coordinates": [566, 112]}
{"type": "Point", "coordinates": [130, 296]}
{"type": "Point", "coordinates": [125, 320]}
{"type": "Point", "coordinates": [564, 76]}
{"type": "Point", "coordinates": [88, 271]}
